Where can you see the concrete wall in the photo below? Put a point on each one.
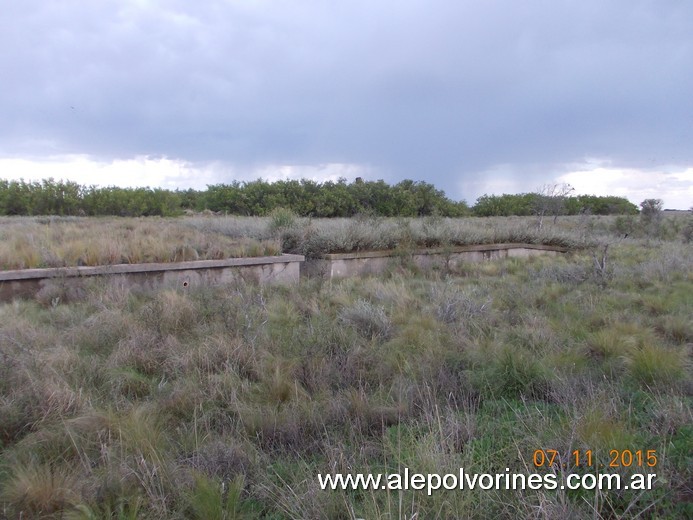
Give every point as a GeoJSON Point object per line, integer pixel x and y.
{"type": "Point", "coordinates": [374, 262]}
{"type": "Point", "coordinates": [70, 283]}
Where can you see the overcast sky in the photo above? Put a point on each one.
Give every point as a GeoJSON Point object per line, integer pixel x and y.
{"type": "Point", "coordinates": [475, 97]}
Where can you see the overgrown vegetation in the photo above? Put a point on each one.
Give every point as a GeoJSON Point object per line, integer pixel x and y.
{"type": "Point", "coordinates": [304, 198]}
{"type": "Point", "coordinates": [30, 242]}
{"type": "Point", "coordinates": [551, 203]}
{"type": "Point", "coordinates": [227, 402]}
{"type": "Point", "coordinates": [315, 237]}
{"type": "Point", "coordinates": [69, 241]}
{"type": "Point", "coordinates": [73, 241]}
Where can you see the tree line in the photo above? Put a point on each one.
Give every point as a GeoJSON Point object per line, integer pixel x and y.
{"type": "Point", "coordinates": [305, 198]}
{"type": "Point", "coordinates": [525, 204]}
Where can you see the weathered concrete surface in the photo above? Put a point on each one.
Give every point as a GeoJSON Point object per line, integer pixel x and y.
{"type": "Point", "coordinates": [373, 262]}
{"type": "Point", "coordinates": [69, 283]}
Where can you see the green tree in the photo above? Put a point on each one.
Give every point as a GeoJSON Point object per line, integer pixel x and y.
{"type": "Point", "coordinates": [651, 209]}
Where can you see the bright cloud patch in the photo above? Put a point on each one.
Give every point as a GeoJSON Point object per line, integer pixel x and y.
{"type": "Point", "coordinates": [136, 172]}
{"type": "Point", "coordinates": [675, 188]}
{"type": "Point", "coordinates": [318, 173]}
{"type": "Point", "coordinates": [166, 173]}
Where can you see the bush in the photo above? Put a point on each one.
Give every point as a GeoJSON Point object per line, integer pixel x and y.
{"type": "Point", "coordinates": [651, 209]}
{"type": "Point", "coordinates": [281, 219]}
{"type": "Point", "coordinates": [687, 231]}
{"type": "Point", "coordinates": [369, 320]}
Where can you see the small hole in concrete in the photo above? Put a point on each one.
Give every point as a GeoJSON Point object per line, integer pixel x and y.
{"type": "Point", "coordinates": [185, 284]}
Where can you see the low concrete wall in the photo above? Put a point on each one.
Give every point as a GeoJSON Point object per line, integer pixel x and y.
{"type": "Point", "coordinates": [373, 262]}
{"type": "Point", "coordinates": [69, 283]}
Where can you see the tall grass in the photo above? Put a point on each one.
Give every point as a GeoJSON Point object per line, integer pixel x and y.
{"type": "Point", "coordinates": [314, 237]}
{"type": "Point", "coordinates": [29, 242]}
{"type": "Point", "coordinates": [226, 402]}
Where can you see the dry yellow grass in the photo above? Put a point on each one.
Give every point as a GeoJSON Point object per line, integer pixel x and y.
{"type": "Point", "coordinates": [27, 242]}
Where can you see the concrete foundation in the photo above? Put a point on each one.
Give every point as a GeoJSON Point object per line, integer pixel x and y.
{"type": "Point", "coordinates": [344, 265]}
{"type": "Point", "coordinates": [69, 283]}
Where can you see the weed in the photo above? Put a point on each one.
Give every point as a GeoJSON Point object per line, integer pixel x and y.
{"type": "Point", "coordinates": [213, 500]}
{"type": "Point", "coordinates": [653, 365]}
{"type": "Point", "coordinates": [39, 489]}
{"type": "Point", "coordinates": [281, 219]}
{"type": "Point", "coordinates": [368, 320]}
{"type": "Point", "coordinates": [124, 508]}
{"type": "Point", "coordinates": [516, 374]}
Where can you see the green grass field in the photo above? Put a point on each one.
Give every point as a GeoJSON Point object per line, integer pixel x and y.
{"type": "Point", "coordinates": [227, 402]}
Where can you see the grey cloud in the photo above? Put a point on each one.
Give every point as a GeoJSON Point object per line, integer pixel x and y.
{"type": "Point", "coordinates": [437, 91]}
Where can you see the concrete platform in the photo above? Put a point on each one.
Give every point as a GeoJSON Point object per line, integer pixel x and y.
{"type": "Point", "coordinates": [67, 283]}
{"type": "Point", "coordinates": [333, 266]}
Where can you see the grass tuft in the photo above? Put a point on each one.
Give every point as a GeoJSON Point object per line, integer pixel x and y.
{"type": "Point", "coordinates": [369, 320]}
{"type": "Point", "coordinates": [210, 499]}
{"type": "Point", "coordinates": [35, 490]}
{"type": "Point", "coordinates": [654, 365]}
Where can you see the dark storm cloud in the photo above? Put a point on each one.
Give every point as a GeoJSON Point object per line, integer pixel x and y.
{"type": "Point", "coordinates": [437, 91]}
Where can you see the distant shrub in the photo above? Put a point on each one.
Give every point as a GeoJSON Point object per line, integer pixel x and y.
{"type": "Point", "coordinates": [651, 216]}
{"type": "Point", "coordinates": [687, 230]}
{"type": "Point", "coordinates": [625, 224]}
{"type": "Point", "coordinates": [282, 219]}
{"type": "Point", "coordinates": [651, 208]}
